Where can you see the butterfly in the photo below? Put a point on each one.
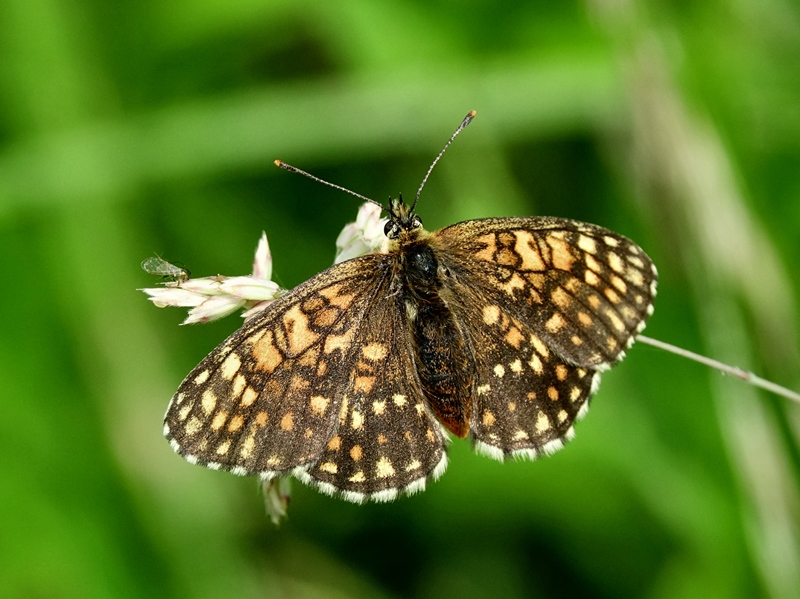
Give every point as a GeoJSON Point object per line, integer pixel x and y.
{"type": "Point", "coordinates": [494, 329]}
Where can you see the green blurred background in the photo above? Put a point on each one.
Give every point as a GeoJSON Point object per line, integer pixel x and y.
{"type": "Point", "coordinates": [134, 128]}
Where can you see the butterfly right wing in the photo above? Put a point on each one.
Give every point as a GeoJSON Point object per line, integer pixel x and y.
{"type": "Point", "coordinates": [321, 385]}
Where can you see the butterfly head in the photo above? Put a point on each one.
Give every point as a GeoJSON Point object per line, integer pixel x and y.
{"type": "Point", "coordinates": [401, 219]}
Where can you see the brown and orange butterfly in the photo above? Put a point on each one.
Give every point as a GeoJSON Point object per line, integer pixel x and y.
{"type": "Point", "coordinates": [496, 329]}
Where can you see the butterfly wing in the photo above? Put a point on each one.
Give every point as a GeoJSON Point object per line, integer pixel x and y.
{"type": "Point", "coordinates": [320, 384]}
{"type": "Point", "coordinates": [546, 304]}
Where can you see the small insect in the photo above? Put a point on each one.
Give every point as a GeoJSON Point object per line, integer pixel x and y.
{"type": "Point", "coordinates": [494, 329]}
{"type": "Point", "coordinates": [155, 265]}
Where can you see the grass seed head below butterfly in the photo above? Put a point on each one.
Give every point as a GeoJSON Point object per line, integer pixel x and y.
{"type": "Point", "coordinates": [494, 329]}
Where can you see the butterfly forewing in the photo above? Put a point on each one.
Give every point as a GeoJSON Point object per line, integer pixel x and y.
{"type": "Point", "coordinates": [586, 291]}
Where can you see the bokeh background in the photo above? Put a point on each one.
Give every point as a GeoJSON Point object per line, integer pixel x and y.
{"type": "Point", "coordinates": [134, 128]}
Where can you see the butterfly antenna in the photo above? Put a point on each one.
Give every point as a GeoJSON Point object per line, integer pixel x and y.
{"type": "Point", "coordinates": [467, 120]}
{"type": "Point", "coordinates": [294, 169]}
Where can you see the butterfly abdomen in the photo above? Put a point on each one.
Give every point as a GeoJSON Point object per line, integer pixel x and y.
{"type": "Point", "coordinates": [444, 364]}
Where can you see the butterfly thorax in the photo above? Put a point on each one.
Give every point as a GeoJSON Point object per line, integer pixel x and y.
{"type": "Point", "coordinates": [441, 354]}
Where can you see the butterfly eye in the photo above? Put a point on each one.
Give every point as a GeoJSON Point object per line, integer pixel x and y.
{"type": "Point", "coordinates": [391, 229]}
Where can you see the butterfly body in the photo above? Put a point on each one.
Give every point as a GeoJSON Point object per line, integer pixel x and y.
{"type": "Point", "coordinates": [496, 329]}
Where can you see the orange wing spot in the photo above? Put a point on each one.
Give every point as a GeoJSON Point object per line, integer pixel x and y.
{"type": "Point", "coordinates": [555, 323]}
{"type": "Point", "coordinates": [202, 377]}
{"type": "Point", "coordinates": [488, 418]}
{"type": "Point", "coordinates": [357, 420]}
{"type": "Point", "coordinates": [308, 434]}
{"type": "Point", "coordinates": [591, 279]}
{"type": "Point", "coordinates": [574, 393]}
{"type": "Point", "coordinates": [491, 314]}
{"type": "Point", "coordinates": [540, 347]}
{"type": "Point", "coordinates": [585, 319]}
{"type": "Point", "coordinates": [230, 366]}
{"type": "Point", "coordinates": [325, 318]}
{"type": "Point", "coordinates": [379, 407]}
{"type": "Point", "coordinates": [587, 244]}
{"type": "Point", "coordinates": [528, 251]}
{"type": "Point", "coordinates": [239, 384]}
{"type": "Point", "coordinates": [356, 452]}
{"type": "Point", "coordinates": [266, 353]}
{"type": "Point", "coordinates": [521, 435]}
{"type": "Point", "coordinates": [384, 468]}
{"type": "Point", "coordinates": [594, 264]}
{"type": "Point", "coordinates": [561, 372]}
{"type": "Point", "coordinates": [358, 477]}
{"type": "Point", "coordinates": [235, 424]}
{"type": "Point", "coordinates": [576, 340]}
{"type": "Point", "coordinates": [335, 443]}
{"type": "Point", "coordinates": [430, 436]}
{"type": "Point", "coordinates": [329, 467]}
{"type": "Point", "coordinates": [185, 411]}
{"type": "Point", "coordinates": [298, 335]}
{"type": "Point", "coordinates": [561, 256]}
{"type": "Point", "coordinates": [516, 366]}
{"type": "Point", "coordinates": [619, 284]}
{"type": "Point", "coordinates": [249, 397]}
{"type": "Point", "coordinates": [223, 447]}
{"type": "Point", "coordinates": [261, 419]}
{"type": "Point", "coordinates": [322, 368]}
{"type": "Point", "coordinates": [382, 440]}
{"type": "Point", "coordinates": [616, 321]}
{"type": "Point", "coordinates": [536, 364]}
{"type": "Point", "coordinates": [208, 401]}
{"type": "Point", "coordinates": [561, 298]}
{"type": "Point", "coordinates": [399, 400]}
{"type": "Point", "coordinates": [319, 404]}
{"type": "Point", "coordinates": [552, 393]}
{"type": "Point", "coordinates": [512, 405]}
{"type": "Point", "coordinates": [615, 262]}
{"type": "Point", "coordinates": [634, 276]}
{"type": "Point", "coordinates": [542, 423]}
{"type": "Point", "coordinates": [248, 446]}
{"type": "Point", "coordinates": [219, 420]}
{"type": "Point", "coordinates": [287, 422]}
{"type": "Point", "coordinates": [514, 337]}
{"type": "Point", "coordinates": [413, 465]}
{"type": "Point", "coordinates": [364, 383]}
{"type": "Point", "coordinates": [374, 352]}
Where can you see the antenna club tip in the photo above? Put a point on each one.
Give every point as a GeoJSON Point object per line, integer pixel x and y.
{"type": "Point", "coordinates": [278, 163]}
{"type": "Point", "coordinates": [471, 114]}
